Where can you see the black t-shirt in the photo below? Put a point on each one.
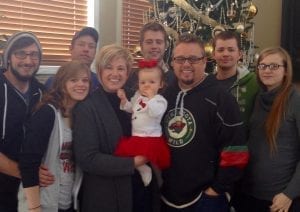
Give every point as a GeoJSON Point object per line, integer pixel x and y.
{"type": "Point", "coordinates": [225, 84]}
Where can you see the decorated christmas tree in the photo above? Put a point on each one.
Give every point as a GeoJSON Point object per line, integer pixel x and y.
{"type": "Point", "coordinates": [206, 18]}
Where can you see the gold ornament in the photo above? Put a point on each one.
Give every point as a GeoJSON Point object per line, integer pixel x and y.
{"type": "Point", "coordinates": [137, 51]}
{"type": "Point", "coordinates": [244, 35]}
{"type": "Point", "coordinates": [186, 25]}
{"type": "Point", "coordinates": [217, 30]}
{"type": "Point", "coordinates": [251, 11]}
{"type": "Point", "coordinates": [208, 48]}
{"type": "Point", "coordinates": [240, 28]}
{"type": "Point", "coordinates": [256, 56]}
{"type": "Point", "coordinates": [171, 32]}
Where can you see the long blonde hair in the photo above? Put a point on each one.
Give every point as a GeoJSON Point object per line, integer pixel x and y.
{"type": "Point", "coordinates": [279, 106]}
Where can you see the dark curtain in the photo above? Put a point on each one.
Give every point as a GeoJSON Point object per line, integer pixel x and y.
{"type": "Point", "coordinates": [290, 32]}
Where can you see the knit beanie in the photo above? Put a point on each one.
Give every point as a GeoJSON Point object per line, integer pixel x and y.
{"type": "Point", "coordinates": [11, 42]}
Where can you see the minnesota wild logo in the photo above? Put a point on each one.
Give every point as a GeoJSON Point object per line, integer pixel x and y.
{"type": "Point", "coordinates": [180, 130]}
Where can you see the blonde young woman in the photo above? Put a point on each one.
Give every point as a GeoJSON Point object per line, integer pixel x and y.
{"type": "Point", "coordinates": [48, 140]}
{"type": "Point", "coordinates": [272, 178]}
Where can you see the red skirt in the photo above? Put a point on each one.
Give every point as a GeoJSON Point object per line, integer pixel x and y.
{"type": "Point", "coordinates": [154, 148]}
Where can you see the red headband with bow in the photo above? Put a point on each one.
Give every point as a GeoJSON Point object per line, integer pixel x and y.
{"type": "Point", "coordinates": [147, 63]}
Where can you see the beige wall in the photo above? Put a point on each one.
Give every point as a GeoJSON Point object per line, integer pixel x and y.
{"type": "Point", "coordinates": [267, 22]}
{"type": "Point", "coordinates": [109, 21]}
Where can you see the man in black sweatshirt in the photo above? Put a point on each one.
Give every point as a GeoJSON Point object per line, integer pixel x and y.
{"type": "Point", "coordinates": [205, 134]}
{"type": "Point", "coordinates": [19, 93]}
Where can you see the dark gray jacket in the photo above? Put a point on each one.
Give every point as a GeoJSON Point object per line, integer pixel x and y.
{"type": "Point", "coordinates": [107, 179]}
{"type": "Point", "coordinates": [266, 174]}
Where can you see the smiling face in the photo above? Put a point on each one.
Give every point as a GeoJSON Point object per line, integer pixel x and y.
{"type": "Point", "coordinates": [71, 83]}
{"type": "Point", "coordinates": [189, 75]}
{"type": "Point", "coordinates": [114, 74]}
{"type": "Point", "coordinates": [272, 78]}
{"type": "Point", "coordinates": [23, 69]}
{"type": "Point", "coordinates": [77, 87]}
{"type": "Point", "coordinates": [84, 49]}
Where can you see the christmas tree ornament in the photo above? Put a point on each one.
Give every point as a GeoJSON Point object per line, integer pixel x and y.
{"type": "Point", "coordinates": [217, 30]}
{"type": "Point", "coordinates": [208, 48]}
{"type": "Point", "coordinates": [256, 56]}
{"type": "Point", "coordinates": [162, 16]}
{"type": "Point", "coordinates": [172, 12]}
{"type": "Point", "coordinates": [231, 13]}
{"type": "Point", "coordinates": [244, 35]}
{"type": "Point", "coordinates": [194, 13]}
{"type": "Point", "coordinates": [251, 11]}
{"type": "Point", "coordinates": [186, 25]}
{"type": "Point", "coordinates": [207, 11]}
{"type": "Point", "coordinates": [240, 28]}
{"type": "Point", "coordinates": [137, 51]}
{"type": "Point", "coordinates": [173, 34]}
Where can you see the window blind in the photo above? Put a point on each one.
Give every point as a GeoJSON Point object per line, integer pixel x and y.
{"type": "Point", "coordinates": [133, 17]}
{"type": "Point", "coordinates": [54, 22]}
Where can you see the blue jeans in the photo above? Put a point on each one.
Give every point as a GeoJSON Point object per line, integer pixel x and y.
{"type": "Point", "coordinates": [204, 204]}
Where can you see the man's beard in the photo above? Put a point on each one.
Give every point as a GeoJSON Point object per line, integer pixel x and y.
{"type": "Point", "coordinates": [188, 82]}
{"type": "Point", "coordinates": [20, 77]}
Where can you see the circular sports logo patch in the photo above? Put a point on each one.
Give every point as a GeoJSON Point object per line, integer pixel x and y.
{"type": "Point", "coordinates": [180, 130]}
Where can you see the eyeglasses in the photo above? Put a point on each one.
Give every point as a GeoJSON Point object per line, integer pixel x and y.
{"type": "Point", "coordinates": [22, 55]}
{"type": "Point", "coordinates": [272, 66]}
{"type": "Point", "coordinates": [191, 60]}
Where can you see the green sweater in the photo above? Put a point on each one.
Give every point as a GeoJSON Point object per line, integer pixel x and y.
{"type": "Point", "coordinates": [244, 89]}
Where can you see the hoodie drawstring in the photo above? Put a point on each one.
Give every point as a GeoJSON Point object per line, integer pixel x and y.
{"type": "Point", "coordinates": [4, 112]}
{"type": "Point", "coordinates": [181, 100]}
{"type": "Point", "coordinates": [41, 94]}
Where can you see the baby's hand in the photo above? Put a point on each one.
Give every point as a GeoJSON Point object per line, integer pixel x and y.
{"type": "Point", "coordinates": [122, 95]}
{"type": "Point", "coordinates": [150, 93]}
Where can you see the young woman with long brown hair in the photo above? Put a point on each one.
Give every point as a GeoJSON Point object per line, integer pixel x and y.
{"type": "Point", "coordinates": [272, 178]}
{"type": "Point", "coordinates": [48, 140]}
